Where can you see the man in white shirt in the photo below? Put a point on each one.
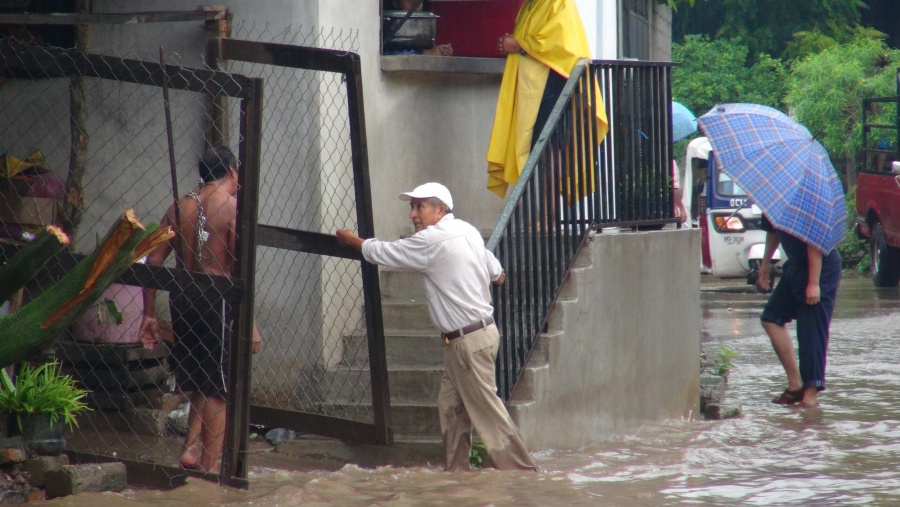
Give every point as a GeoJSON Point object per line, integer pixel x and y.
{"type": "Point", "coordinates": [458, 271]}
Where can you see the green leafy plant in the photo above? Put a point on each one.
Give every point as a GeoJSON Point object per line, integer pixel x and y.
{"type": "Point", "coordinates": [725, 360]}
{"type": "Point", "coordinates": [107, 308]}
{"type": "Point", "coordinates": [476, 458]}
{"type": "Point", "coordinates": [42, 390]}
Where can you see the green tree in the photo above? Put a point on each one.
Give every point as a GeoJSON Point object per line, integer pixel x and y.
{"type": "Point", "coordinates": [827, 89]}
{"type": "Point", "coordinates": [767, 25]}
{"type": "Point", "coordinates": [714, 72]}
{"type": "Point", "coordinates": [675, 3]}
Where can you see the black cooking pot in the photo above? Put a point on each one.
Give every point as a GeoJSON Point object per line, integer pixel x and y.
{"type": "Point", "coordinates": [417, 32]}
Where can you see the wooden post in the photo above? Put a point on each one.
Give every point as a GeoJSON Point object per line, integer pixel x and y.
{"type": "Point", "coordinates": [73, 205]}
{"type": "Point", "coordinates": [217, 133]}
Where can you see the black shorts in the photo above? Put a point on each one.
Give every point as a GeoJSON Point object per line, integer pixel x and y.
{"type": "Point", "coordinates": [199, 356]}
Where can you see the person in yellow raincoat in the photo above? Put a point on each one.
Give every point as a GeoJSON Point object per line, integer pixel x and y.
{"type": "Point", "coordinates": [547, 42]}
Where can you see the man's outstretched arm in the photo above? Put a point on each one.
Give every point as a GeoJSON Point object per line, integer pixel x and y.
{"type": "Point", "coordinates": [347, 238]}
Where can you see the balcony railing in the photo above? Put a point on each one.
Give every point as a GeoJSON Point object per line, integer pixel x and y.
{"type": "Point", "coordinates": [573, 183]}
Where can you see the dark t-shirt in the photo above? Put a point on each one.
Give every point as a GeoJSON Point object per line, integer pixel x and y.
{"type": "Point", "coordinates": [793, 246]}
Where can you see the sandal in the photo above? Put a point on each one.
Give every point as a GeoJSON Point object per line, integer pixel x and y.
{"type": "Point", "coordinates": [789, 397]}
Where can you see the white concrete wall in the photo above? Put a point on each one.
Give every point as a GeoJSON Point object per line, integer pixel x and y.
{"type": "Point", "coordinates": [600, 18]}
{"type": "Point", "coordinates": [630, 350]}
{"type": "Point", "coordinates": [607, 23]}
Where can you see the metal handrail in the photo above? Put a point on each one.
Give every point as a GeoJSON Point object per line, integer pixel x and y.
{"type": "Point", "coordinates": [572, 185]}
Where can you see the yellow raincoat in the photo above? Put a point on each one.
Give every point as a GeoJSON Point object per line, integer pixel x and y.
{"type": "Point", "coordinates": [552, 34]}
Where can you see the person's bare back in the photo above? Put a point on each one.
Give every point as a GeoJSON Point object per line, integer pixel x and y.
{"type": "Point", "coordinates": [214, 255]}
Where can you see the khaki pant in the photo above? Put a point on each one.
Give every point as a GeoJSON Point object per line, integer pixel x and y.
{"type": "Point", "coordinates": [468, 398]}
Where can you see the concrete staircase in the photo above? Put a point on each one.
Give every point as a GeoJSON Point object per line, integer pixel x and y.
{"type": "Point", "coordinates": [415, 360]}
{"type": "Point", "coordinates": [617, 353]}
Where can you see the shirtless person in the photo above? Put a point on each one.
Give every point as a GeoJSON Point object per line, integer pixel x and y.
{"type": "Point", "coordinates": [201, 323]}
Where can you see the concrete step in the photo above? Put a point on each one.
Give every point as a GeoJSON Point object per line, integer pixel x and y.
{"type": "Point", "coordinates": [404, 347]}
{"type": "Point", "coordinates": [408, 419]}
{"type": "Point", "coordinates": [406, 314]}
{"type": "Point", "coordinates": [401, 285]}
{"type": "Point", "coordinates": [532, 380]}
{"type": "Point", "coordinates": [333, 454]}
{"type": "Point", "coordinates": [414, 398]}
{"type": "Point", "coordinates": [520, 409]}
{"type": "Point", "coordinates": [418, 384]}
{"type": "Point", "coordinates": [405, 452]}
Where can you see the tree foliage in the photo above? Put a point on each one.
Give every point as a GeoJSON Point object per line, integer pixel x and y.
{"type": "Point", "coordinates": [828, 87]}
{"type": "Point", "coordinates": [714, 72]}
{"type": "Point", "coordinates": [768, 26]}
{"type": "Point", "coordinates": [675, 3]}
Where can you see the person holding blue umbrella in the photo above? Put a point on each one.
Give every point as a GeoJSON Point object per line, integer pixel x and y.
{"type": "Point", "coordinates": [806, 292]}
{"type": "Point", "coordinates": [789, 175]}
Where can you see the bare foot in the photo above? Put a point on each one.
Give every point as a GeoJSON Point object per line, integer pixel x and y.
{"type": "Point", "coordinates": [190, 456]}
{"type": "Point", "coordinates": [810, 398]}
{"type": "Point", "coordinates": [214, 468]}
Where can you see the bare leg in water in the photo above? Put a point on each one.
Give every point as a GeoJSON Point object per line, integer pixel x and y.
{"type": "Point", "coordinates": [784, 349]}
{"type": "Point", "coordinates": [206, 432]}
{"type": "Point", "coordinates": [213, 434]}
{"type": "Point", "coordinates": [190, 456]}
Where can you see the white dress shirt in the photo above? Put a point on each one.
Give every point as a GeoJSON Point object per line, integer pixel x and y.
{"type": "Point", "coordinates": [458, 269]}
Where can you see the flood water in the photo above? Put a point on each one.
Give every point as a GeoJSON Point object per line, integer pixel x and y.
{"type": "Point", "coordinates": [846, 453]}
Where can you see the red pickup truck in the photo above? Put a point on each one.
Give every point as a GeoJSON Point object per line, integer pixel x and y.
{"type": "Point", "coordinates": [878, 219]}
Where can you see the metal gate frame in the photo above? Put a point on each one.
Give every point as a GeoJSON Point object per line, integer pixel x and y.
{"type": "Point", "coordinates": [238, 289]}
{"type": "Point", "coordinates": [347, 64]}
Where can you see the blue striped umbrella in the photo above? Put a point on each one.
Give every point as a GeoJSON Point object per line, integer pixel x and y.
{"type": "Point", "coordinates": [782, 168]}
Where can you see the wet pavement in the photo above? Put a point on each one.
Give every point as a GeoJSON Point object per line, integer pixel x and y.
{"type": "Point", "coordinates": [842, 454]}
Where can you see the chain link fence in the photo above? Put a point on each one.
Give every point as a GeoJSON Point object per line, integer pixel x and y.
{"type": "Point", "coordinates": [316, 371]}
{"type": "Point", "coordinates": [315, 359]}
{"type": "Point", "coordinates": [85, 137]}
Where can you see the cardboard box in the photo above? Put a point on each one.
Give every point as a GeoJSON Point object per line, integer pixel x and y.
{"type": "Point", "coordinates": [34, 211]}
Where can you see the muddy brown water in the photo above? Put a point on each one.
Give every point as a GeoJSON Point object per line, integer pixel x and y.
{"type": "Point", "coordinates": [844, 454]}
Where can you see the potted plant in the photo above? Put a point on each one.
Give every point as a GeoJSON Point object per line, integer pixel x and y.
{"type": "Point", "coordinates": [43, 400]}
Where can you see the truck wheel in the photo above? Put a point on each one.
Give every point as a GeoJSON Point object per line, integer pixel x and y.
{"type": "Point", "coordinates": [885, 260]}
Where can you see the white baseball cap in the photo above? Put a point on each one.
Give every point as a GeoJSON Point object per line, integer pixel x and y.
{"type": "Point", "coordinates": [430, 190]}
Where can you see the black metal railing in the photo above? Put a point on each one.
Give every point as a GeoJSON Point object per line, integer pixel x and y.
{"type": "Point", "coordinates": [574, 182]}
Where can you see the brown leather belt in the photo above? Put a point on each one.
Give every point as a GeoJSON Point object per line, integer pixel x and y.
{"type": "Point", "coordinates": [471, 328]}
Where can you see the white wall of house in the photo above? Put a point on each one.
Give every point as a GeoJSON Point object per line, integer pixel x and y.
{"type": "Point", "coordinates": [600, 18]}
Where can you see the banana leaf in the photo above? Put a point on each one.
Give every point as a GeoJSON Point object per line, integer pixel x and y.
{"type": "Point", "coordinates": [30, 260]}
{"type": "Point", "coordinates": [39, 323]}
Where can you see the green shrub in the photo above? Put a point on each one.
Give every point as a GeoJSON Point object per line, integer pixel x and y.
{"type": "Point", "coordinates": [725, 360]}
{"type": "Point", "coordinates": [476, 460]}
{"type": "Point", "coordinates": [42, 390]}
